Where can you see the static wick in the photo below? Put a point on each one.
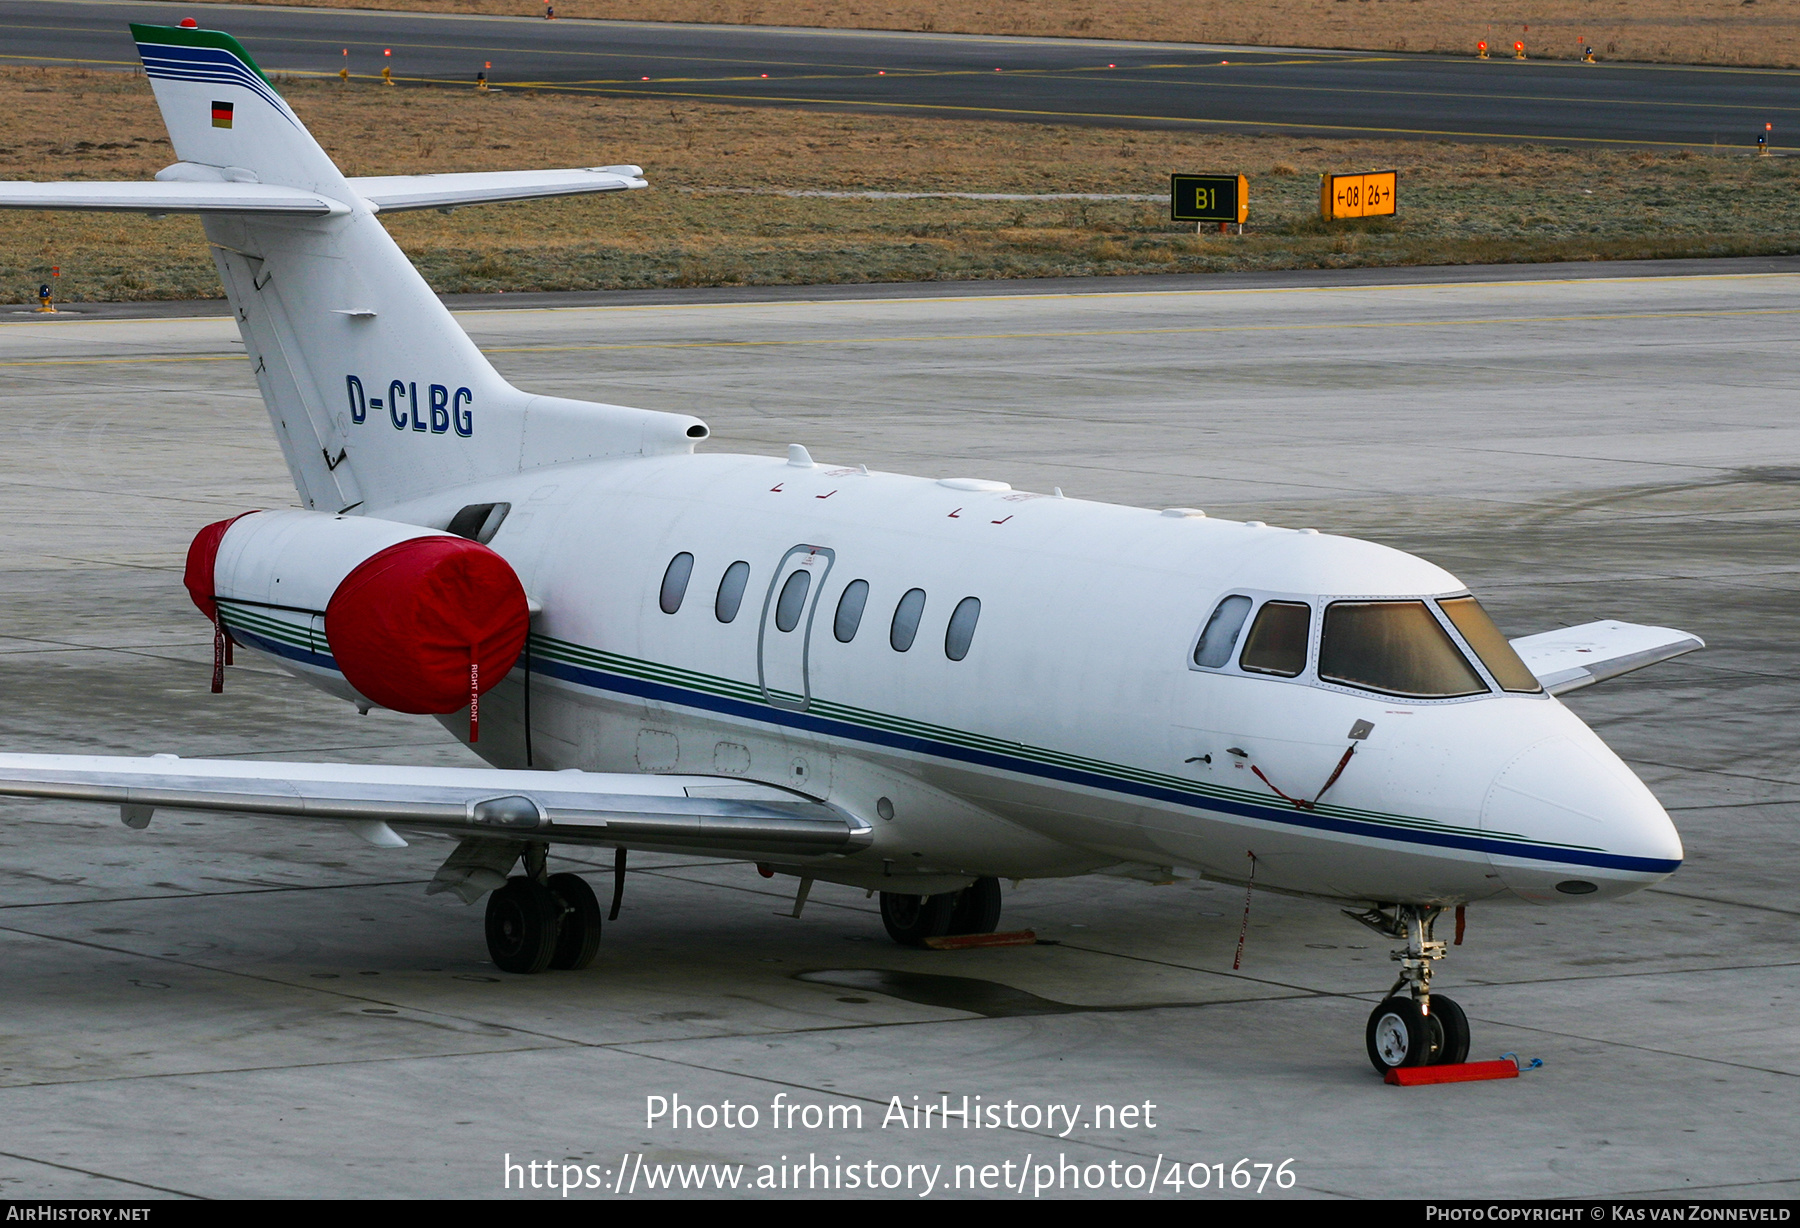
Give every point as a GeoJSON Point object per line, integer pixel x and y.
{"type": "Point", "coordinates": [1244, 930]}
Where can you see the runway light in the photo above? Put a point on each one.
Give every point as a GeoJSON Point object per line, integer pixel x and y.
{"type": "Point", "coordinates": [646, 78]}
{"type": "Point", "coordinates": [881, 72]}
{"type": "Point", "coordinates": [765, 74]}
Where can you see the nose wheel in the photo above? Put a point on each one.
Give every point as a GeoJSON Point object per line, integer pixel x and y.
{"type": "Point", "coordinates": [1413, 1026]}
{"type": "Point", "coordinates": [1399, 1034]}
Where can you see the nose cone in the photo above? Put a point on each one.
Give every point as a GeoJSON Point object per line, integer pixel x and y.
{"type": "Point", "coordinates": [1566, 819]}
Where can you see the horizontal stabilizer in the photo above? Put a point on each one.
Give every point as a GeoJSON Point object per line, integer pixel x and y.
{"type": "Point", "coordinates": [680, 812]}
{"type": "Point", "coordinates": [393, 192]}
{"type": "Point", "coordinates": [169, 197]}
{"type": "Point", "coordinates": [1573, 657]}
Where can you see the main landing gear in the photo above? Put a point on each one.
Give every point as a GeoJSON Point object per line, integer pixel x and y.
{"type": "Point", "coordinates": [911, 919]}
{"type": "Point", "coordinates": [539, 920]}
{"type": "Point", "coordinates": [1417, 1027]}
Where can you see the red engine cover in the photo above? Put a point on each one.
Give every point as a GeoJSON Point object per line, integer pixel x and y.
{"type": "Point", "coordinates": [203, 553]}
{"type": "Point", "coordinates": [408, 622]}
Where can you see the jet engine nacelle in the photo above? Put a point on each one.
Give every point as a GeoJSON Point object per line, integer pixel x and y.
{"type": "Point", "coordinates": [412, 619]}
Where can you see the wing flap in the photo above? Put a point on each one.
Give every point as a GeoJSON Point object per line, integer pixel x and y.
{"type": "Point", "coordinates": [395, 192]}
{"type": "Point", "coordinates": [1570, 658]}
{"type": "Point", "coordinates": [178, 196]}
{"type": "Point", "coordinates": [565, 807]}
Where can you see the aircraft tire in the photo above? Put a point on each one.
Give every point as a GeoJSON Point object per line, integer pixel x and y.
{"type": "Point", "coordinates": [977, 908]}
{"type": "Point", "coordinates": [1397, 1035]}
{"type": "Point", "coordinates": [911, 919]}
{"type": "Point", "coordinates": [521, 926]}
{"type": "Point", "coordinates": [1453, 1026]}
{"type": "Point", "coordinates": [578, 937]}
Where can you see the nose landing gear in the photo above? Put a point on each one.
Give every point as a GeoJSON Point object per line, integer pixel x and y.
{"type": "Point", "coordinates": [1417, 1027]}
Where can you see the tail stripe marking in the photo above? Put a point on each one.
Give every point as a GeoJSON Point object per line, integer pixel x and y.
{"type": "Point", "coordinates": [209, 65]}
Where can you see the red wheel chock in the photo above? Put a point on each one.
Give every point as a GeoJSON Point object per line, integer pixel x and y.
{"type": "Point", "coordinates": [1462, 1072]}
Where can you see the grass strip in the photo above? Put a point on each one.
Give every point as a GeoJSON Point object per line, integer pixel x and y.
{"type": "Point", "coordinates": [727, 204]}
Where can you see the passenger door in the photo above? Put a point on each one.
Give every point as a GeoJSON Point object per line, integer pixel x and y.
{"type": "Point", "coordinates": [787, 617]}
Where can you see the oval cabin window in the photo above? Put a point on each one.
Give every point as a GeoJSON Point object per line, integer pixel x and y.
{"type": "Point", "coordinates": [906, 619]}
{"type": "Point", "coordinates": [731, 591]}
{"type": "Point", "coordinates": [962, 628]}
{"type": "Point", "coordinates": [850, 610]}
{"type": "Point", "coordinates": [792, 602]}
{"type": "Point", "coordinates": [675, 582]}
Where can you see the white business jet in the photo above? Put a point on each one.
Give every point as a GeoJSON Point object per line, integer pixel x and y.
{"type": "Point", "coordinates": [911, 685]}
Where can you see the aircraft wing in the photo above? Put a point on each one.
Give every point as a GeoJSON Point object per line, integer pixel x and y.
{"type": "Point", "coordinates": [167, 196]}
{"type": "Point", "coordinates": [392, 192]}
{"type": "Point", "coordinates": [184, 188]}
{"type": "Point", "coordinates": [1570, 658]}
{"type": "Point", "coordinates": [637, 811]}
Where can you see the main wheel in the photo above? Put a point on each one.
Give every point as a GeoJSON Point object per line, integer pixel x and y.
{"type": "Point", "coordinates": [1453, 1027]}
{"type": "Point", "coordinates": [521, 926]}
{"type": "Point", "coordinates": [911, 919]}
{"type": "Point", "coordinates": [1398, 1035]}
{"type": "Point", "coordinates": [578, 937]}
{"type": "Point", "coordinates": [977, 908]}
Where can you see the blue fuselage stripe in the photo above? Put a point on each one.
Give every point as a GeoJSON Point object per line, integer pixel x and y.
{"type": "Point", "coordinates": [276, 648]}
{"type": "Point", "coordinates": [914, 744]}
{"type": "Point", "coordinates": [621, 684]}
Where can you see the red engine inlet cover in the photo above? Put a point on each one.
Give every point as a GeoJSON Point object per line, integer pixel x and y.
{"type": "Point", "coordinates": [202, 555]}
{"type": "Point", "coordinates": [406, 625]}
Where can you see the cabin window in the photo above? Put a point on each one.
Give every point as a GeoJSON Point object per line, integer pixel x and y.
{"type": "Point", "coordinates": [1396, 647]}
{"type": "Point", "coordinates": [906, 619]}
{"type": "Point", "coordinates": [1277, 640]}
{"type": "Point", "coordinates": [962, 628]}
{"type": "Point", "coordinates": [675, 581]}
{"type": "Point", "coordinates": [850, 610]}
{"type": "Point", "coordinates": [731, 591]}
{"type": "Point", "coordinates": [1221, 635]}
{"type": "Point", "coordinates": [1480, 633]}
{"type": "Point", "coordinates": [792, 602]}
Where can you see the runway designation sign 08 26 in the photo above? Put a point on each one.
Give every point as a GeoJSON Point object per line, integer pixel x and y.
{"type": "Point", "coordinates": [1209, 198]}
{"type": "Point", "coordinates": [1367, 195]}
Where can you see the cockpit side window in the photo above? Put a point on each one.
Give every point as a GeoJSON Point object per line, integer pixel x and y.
{"type": "Point", "coordinates": [1480, 633]}
{"type": "Point", "coordinates": [1395, 647]}
{"type": "Point", "coordinates": [1277, 640]}
{"type": "Point", "coordinates": [1221, 634]}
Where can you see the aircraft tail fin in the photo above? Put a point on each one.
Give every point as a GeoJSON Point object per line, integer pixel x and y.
{"type": "Point", "coordinates": [377, 395]}
{"type": "Point", "coordinates": [222, 112]}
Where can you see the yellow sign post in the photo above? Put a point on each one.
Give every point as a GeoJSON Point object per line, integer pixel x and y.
{"type": "Point", "coordinates": [1373, 194]}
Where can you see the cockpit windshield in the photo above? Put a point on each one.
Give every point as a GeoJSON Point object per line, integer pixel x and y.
{"type": "Point", "coordinates": [1480, 633]}
{"type": "Point", "coordinates": [1395, 647]}
{"type": "Point", "coordinates": [1277, 640]}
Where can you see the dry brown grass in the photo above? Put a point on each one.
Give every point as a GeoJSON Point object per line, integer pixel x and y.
{"type": "Point", "coordinates": [1751, 32]}
{"type": "Point", "coordinates": [708, 219]}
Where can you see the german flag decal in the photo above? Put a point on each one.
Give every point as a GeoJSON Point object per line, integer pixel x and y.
{"type": "Point", "coordinates": [221, 114]}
